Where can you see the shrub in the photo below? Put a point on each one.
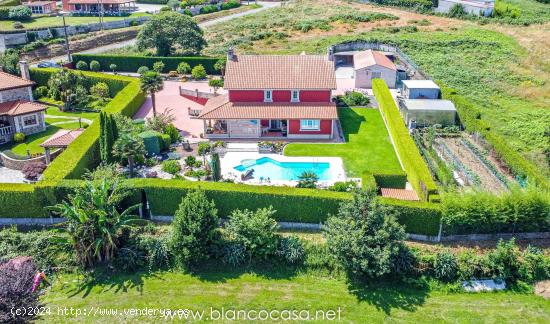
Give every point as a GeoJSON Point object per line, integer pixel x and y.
{"type": "Point", "coordinates": [171, 166]}
{"type": "Point", "coordinates": [255, 231]}
{"type": "Point", "coordinates": [208, 9]}
{"type": "Point", "coordinates": [234, 254]}
{"type": "Point", "coordinates": [291, 250]}
{"type": "Point", "coordinates": [158, 66]}
{"type": "Point", "coordinates": [535, 265]}
{"type": "Point", "coordinates": [353, 98]}
{"type": "Point", "coordinates": [142, 69]}
{"type": "Point", "coordinates": [41, 91]}
{"type": "Point", "coordinates": [216, 84]}
{"type": "Point", "coordinates": [95, 66]}
{"type": "Point", "coordinates": [445, 266]}
{"type": "Point", "coordinates": [166, 141]}
{"type": "Point", "coordinates": [151, 139]}
{"type": "Point", "coordinates": [15, 291]}
{"type": "Point", "coordinates": [190, 161]}
{"type": "Point", "coordinates": [113, 67]}
{"type": "Point", "coordinates": [18, 137]}
{"type": "Point", "coordinates": [173, 74]}
{"type": "Point", "coordinates": [417, 171]}
{"type": "Point", "coordinates": [308, 179]}
{"type": "Point", "coordinates": [33, 170]}
{"type": "Point", "coordinates": [20, 13]}
{"type": "Point", "coordinates": [173, 132]}
{"type": "Point", "coordinates": [504, 261]}
{"type": "Point", "coordinates": [363, 237]}
{"type": "Point", "coordinates": [183, 68]}
{"type": "Point", "coordinates": [230, 4]}
{"type": "Point", "coordinates": [81, 65]}
{"type": "Point", "coordinates": [198, 72]}
{"type": "Point", "coordinates": [100, 90]}
{"type": "Point", "coordinates": [194, 229]}
{"type": "Point", "coordinates": [343, 186]}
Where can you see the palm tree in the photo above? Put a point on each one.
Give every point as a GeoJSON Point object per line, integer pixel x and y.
{"type": "Point", "coordinates": [94, 223]}
{"type": "Point", "coordinates": [128, 146]}
{"type": "Point", "coordinates": [151, 82]}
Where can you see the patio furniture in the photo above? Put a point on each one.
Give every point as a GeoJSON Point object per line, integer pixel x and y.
{"type": "Point", "coordinates": [247, 175]}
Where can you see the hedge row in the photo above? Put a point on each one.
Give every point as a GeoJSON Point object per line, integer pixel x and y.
{"type": "Point", "coordinates": [472, 118]}
{"type": "Point", "coordinates": [83, 153]}
{"type": "Point", "coordinates": [417, 217]}
{"type": "Point", "coordinates": [126, 63]}
{"type": "Point", "coordinates": [20, 200]}
{"type": "Point", "coordinates": [415, 166]}
{"type": "Point", "coordinates": [513, 212]}
{"type": "Point", "coordinates": [292, 204]}
{"type": "Point", "coordinates": [398, 181]}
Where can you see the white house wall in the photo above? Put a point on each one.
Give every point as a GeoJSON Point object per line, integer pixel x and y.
{"type": "Point", "coordinates": [363, 77]}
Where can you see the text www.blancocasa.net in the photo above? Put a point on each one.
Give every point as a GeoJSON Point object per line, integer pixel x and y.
{"type": "Point", "coordinates": [210, 314]}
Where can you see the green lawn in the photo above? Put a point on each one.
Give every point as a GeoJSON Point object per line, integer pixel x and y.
{"type": "Point", "coordinates": [54, 111]}
{"type": "Point", "coordinates": [367, 147]}
{"type": "Point", "coordinates": [42, 22]}
{"type": "Point", "coordinates": [286, 291]}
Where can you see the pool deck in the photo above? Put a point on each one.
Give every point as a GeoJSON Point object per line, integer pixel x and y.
{"type": "Point", "coordinates": [233, 159]}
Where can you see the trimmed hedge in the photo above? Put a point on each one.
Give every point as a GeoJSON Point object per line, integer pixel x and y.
{"type": "Point", "coordinates": [414, 164]}
{"type": "Point", "coordinates": [292, 204]}
{"type": "Point", "coordinates": [133, 63]}
{"type": "Point", "coordinates": [391, 180]}
{"type": "Point", "coordinates": [20, 200]}
{"type": "Point", "coordinates": [417, 217]}
{"type": "Point", "coordinates": [83, 153]}
{"type": "Point", "coordinates": [472, 118]}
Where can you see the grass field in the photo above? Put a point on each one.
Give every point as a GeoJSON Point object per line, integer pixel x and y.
{"type": "Point", "coordinates": [272, 289]}
{"type": "Point", "coordinates": [42, 22]}
{"type": "Point", "coordinates": [367, 147]}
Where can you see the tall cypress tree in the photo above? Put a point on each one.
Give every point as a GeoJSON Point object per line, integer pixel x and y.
{"type": "Point", "coordinates": [108, 135]}
{"type": "Point", "coordinates": [216, 169]}
{"type": "Point", "coordinates": [103, 153]}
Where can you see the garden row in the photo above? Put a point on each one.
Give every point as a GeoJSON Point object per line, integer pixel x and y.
{"type": "Point", "coordinates": [133, 63]}
{"type": "Point", "coordinates": [417, 172]}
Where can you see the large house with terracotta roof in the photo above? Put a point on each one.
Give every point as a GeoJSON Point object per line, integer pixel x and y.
{"type": "Point", "coordinates": [274, 96]}
{"type": "Point", "coordinates": [18, 112]}
{"type": "Point", "coordinates": [96, 7]}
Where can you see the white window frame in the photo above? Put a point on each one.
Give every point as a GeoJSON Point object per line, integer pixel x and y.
{"type": "Point", "coordinates": [310, 124]}
{"type": "Point", "coordinates": [297, 92]}
{"type": "Point", "coordinates": [32, 125]}
{"type": "Point", "coordinates": [266, 92]}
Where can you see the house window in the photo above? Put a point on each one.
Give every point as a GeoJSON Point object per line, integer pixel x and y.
{"type": "Point", "coordinates": [295, 96]}
{"type": "Point", "coordinates": [376, 75]}
{"type": "Point", "coordinates": [30, 121]}
{"type": "Point", "coordinates": [268, 96]}
{"type": "Point", "coordinates": [309, 124]}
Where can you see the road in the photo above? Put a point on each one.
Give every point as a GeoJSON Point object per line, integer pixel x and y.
{"type": "Point", "coordinates": [205, 24]}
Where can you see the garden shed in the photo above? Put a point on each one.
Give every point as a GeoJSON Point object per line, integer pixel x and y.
{"type": "Point", "coordinates": [427, 112]}
{"type": "Point", "coordinates": [420, 89]}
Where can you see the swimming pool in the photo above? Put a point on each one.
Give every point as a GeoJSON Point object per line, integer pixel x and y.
{"type": "Point", "coordinates": [268, 168]}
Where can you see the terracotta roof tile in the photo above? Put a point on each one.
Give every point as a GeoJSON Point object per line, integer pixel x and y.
{"type": "Point", "coordinates": [19, 107]}
{"type": "Point", "coordinates": [401, 194]}
{"type": "Point", "coordinates": [280, 72]}
{"type": "Point", "coordinates": [8, 81]}
{"type": "Point", "coordinates": [220, 108]}
{"type": "Point", "coordinates": [368, 58]}
{"type": "Point", "coordinates": [62, 138]}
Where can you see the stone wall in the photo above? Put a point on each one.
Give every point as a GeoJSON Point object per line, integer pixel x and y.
{"type": "Point", "coordinates": [40, 127]}
{"type": "Point", "coordinates": [15, 164]}
{"type": "Point", "coordinates": [13, 38]}
{"type": "Point", "coordinates": [16, 94]}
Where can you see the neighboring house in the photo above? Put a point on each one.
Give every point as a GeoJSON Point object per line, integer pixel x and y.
{"type": "Point", "coordinates": [18, 112]}
{"type": "Point", "coordinates": [473, 7]}
{"type": "Point", "coordinates": [95, 6]}
{"type": "Point", "coordinates": [420, 89]}
{"type": "Point", "coordinates": [363, 66]}
{"type": "Point", "coordinates": [273, 96]}
{"type": "Point", "coordinates": [427, 112]}
{"type": "Point", "coordinates": [41, 7]}
{"type": "Point", "coordinates": [370, 65]}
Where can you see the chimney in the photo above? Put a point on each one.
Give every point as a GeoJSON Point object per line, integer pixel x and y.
{"type": "Point", "coordinates": [231, 54]}
{"type": "Point", "coordinates": [330, 53]}
{"type": "Point", "coordinates": [24, 66]}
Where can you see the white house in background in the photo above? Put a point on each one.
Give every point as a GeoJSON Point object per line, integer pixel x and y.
{"type": "Point", "coordinates": [18, 112]}
{"type": "Point", "coordinates": [370, 65]}
{"type": "Point", "coordinates": [473, 7]}
{"type": "Point", "coordinates": [420, 89]}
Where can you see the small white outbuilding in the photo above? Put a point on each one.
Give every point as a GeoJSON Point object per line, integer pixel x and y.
{"type": "Point", "coordinates": [427, 112]}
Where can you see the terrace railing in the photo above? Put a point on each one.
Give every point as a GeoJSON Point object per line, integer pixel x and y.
{"type": "Point", "coordinates": [6, 130]}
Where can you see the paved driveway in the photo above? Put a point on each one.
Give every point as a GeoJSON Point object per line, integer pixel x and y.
{"type": "Point", "coordinates": [169, 99]}
{"type": "Point", "coordinates": [11, 176]}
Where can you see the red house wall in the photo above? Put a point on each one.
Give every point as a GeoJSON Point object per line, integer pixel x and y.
{"type": "Point", "coordinates": [281, 96]}
{"type": "Point", "coordinates": [314, 96]}
{"type": "Point", "coordinates": [324, 129]}
{"type": "Point", "coordinates": [246, 96]}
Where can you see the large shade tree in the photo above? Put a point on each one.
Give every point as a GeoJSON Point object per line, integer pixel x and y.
{"type": "Point", "coordinates": [169, 31]}
{"type": "Point", "coordinates": [151, 83]}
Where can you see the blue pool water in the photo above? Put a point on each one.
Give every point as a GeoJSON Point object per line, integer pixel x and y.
{"type": "Point", "coordinates": [268, 168]}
